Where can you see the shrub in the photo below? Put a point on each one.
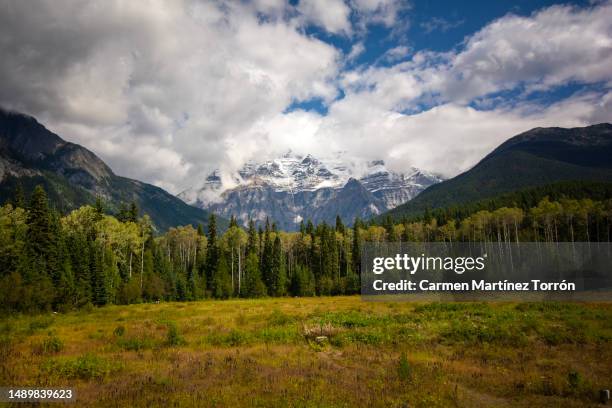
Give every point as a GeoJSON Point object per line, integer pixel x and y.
{"type": "Point", "coordinates": [233, 338]}
{"type": "Point", "coordinates": [119, 331]}
{"type": "Point", "coordinates": [86, 367]}
{"type": "Point", "coordinates": [135, 343]}
{"type": "Point", "coordinates": [404, 371]}
{"type": "Point", "coordinates": [173, 337]}
{"type": "Point", "coordinates": [278, 318]}
{"type": "Point", "coordinates": [50, 345]}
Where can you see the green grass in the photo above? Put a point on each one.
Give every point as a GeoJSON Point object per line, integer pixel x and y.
{"type": "Point", "coordinates": [316, 352]}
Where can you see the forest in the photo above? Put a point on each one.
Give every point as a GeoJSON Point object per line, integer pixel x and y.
{"type": "Point", "coordinates": [86, 258]}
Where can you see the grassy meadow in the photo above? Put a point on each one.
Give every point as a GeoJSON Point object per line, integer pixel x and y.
{"type": "Point", "coordinates": [316, 352]}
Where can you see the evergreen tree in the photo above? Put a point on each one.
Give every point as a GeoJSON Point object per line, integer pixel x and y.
{"type": "Point", "coordinates": [99, 208]}
{"type": "Point", "coordinates": [222, 283]}
{"type": "Point", "coordinates": [40, 237]}
{"type": "Point", "coordinates": [101, 293]}
{"type": "Point", "coordinates": [19, 200]}
{"type": "Point", "coordinates": [181, 288]}
{"type": "Point", "coordinates": [133, 212]}
{"type": "Point", "coordinates": [251, 238]}
{"type": "Point", "coordinates": [253, 285]}
{"type": "Point", "coordinates": [356, 250]}
{"type": "Point", "coordinates": [212, 250]}
{"type": "Point", "coordinates": [277, 270]}
{"type": "Point", "coordinates": [79, 253]}
{"type": "Point", "coordinates": [266, 260]}
{"type": "Point", "coordinates": [123, 214]}
{"type": "Point", "coordinates": [310, 228]}
{"type": "Point", "coordinates": [302, 282]}
{"type": "Point", "coordinates": [339, 225]}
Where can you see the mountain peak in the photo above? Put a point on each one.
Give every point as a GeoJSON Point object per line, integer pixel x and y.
{"type": "Point", "coordinates": [538, 157]}
{"type": "Point", "coordinates": [300, 187]}
{"type": "Point", "coordinates": [73, 176]}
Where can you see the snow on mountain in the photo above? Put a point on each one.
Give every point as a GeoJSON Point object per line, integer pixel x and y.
{"type": "Point", "coordinates": [293, 188]}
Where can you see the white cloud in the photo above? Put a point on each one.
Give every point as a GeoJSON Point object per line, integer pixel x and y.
{"type": "Point", "coordinates": [378, 11]}
{"type": "Point", "coordinates": [332, 15]}
{"type": "Point", "coordinates": [167, 92]}
{"type": "Point", "coordinates": [552, 47]}
{"type": "Point", "coordinates": [397, 53]}
{"type": "Point", "coordinates": [356, 50]}
{"type": "Point", "coordinates": [158, 90]}
{"type": "Point", "coordinates": [439, 24]}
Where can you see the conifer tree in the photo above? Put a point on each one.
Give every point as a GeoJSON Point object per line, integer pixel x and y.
{"type": "Point", "coordinates": [356, 250]}
{"type": "Point", "coordinates": [277, 270]}
{"type": "Point", "coordinates": [19, 200]}
{"type": "Point", "coordinates": [339, 225]}
{"type": "Point", "coordinates": [212, 250]}
{"type": "Point", "coordinates": [251, 238]}
{"type": "Point", "coordinates": [40, 236]}
{"type": "Point", "coordinates": [222, 284]}
{"type": "Point", "coordinates": [99, 208]}
{"type": "Point", "coordinates": [123, 214]}
{"type": "Point", "coordinates": [266, 259]}
{"type": "Point", "coordinates": [100, 288]}
{"type": "Point", "coordinates": [253, 285]}
{"type": "Point", "coordinates": [133, 212]}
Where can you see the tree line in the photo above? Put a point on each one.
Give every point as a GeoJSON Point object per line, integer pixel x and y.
{"type": "Point", "coordinates": [88, 257]}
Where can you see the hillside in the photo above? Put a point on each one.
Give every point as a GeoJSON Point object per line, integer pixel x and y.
{"type": "Point", "coordinates": [538, 157]}
{"type": "Point", "coordinates": [73, 176]}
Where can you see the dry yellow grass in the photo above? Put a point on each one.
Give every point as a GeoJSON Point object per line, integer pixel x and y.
{"type": "Point", "coordinates": [270, 353]}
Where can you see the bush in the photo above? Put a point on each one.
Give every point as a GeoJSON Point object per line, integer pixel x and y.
{"type": "Point", "coordinates": [233, 338]}
{"type": "Point", "coordinates": [86, 367]}
{"type": "Point", "coordinates": [278, 318]}
{"type": "Point", "coordinates": [404, 371]}
{"type": "Point", "coordinates": [173, 337]}
{"type": "Point", "coordinates": [136, 343]}
{"type": "Point", "coordinates": [50, 345]}
{"type": "Point", "coordinates": [119, 331]}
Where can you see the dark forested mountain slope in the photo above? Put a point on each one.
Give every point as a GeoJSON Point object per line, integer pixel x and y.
{"type": "Point", "coordinates": [537, 157]}
{"type": "Point", "coordinates": [72, 175]}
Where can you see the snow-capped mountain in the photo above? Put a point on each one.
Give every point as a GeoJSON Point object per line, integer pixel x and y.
{"type": "Point", "coordinates": [294, 188]}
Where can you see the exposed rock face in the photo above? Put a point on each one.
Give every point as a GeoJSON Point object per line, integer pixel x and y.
{"type": "Point", "coordinates": [295, 188]}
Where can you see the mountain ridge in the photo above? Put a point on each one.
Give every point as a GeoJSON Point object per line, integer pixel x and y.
{"type": "Point", "coordinates": [30, 154]}
{"type": "Point", "coordinates": [293, 188]}
{"type": "Point", "coordinates": [533, 158]}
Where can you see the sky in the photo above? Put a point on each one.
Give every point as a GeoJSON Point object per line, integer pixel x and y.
{"type": "Point", "coordinates": [167, 91]}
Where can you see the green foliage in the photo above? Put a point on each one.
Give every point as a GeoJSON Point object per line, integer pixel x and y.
{"type": "Point", "coordinates": [173, 337]}
{"type": "Point", "coordinates": [278, 318]}
{"type": "Point", "coordinates": [85, 258]}
{"type": "Point", "coordinates": [86, 367]}
{"type": "Point", "coordinates": [40, 323]}
{"type": "Point", "coordinates": [50, 345]}
{"type": "Point", "coordinates": [136, 343]}
{"type": "Point", "coordinates": [119, 331]}
{"type": "Point", "coordinates": [404, 371]}
{"type": "Point", "coordinates": [222, 283]}
{"type": "Point", "coordinates": [253, 285]}
{"type": "Point", "coordinates": [303, 282]}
